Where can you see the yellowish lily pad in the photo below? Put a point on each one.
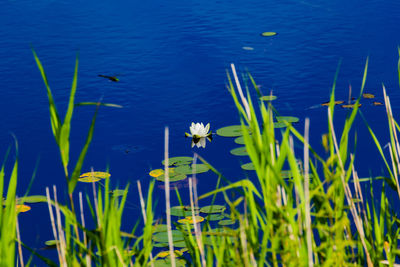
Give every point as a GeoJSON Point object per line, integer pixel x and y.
{"type": "Point", "coordinates": [337, 102]}
{"type": "Point", "coordinates": [156, 172]}
{"type": "Point", "coordinates": [22, 208]}
{"type": "Point", "coordinates": [189, 219]}
{"type": "Point", "coordinates": [101, 175]}
{"type": "Point", "coordinates": [370, 96]}
{"type": "Point", "coordinates": [89, 179]}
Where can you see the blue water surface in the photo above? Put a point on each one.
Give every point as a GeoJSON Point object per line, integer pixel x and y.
{"type": "Point", "coordinates": [171, 58]}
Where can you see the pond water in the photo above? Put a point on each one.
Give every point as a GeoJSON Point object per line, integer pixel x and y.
{"type": "Point", "coordinates": [171, 59]}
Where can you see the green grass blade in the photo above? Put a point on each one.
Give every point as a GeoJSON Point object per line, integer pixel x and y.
{"type": "Point", "coordinates": [78, 167]}
{"type": "Point", "coordinates": [66, 126]}
{"type": "Point", "coordinates": [54, 117]}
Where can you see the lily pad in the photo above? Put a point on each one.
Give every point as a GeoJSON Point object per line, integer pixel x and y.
{"type": "Point", "coordinates": [172, 177]}
{"type": "Point", "coordinates": [230, 131]}
{"type": "Point", "coordinates": [239, 151]}
{"type": "Point", "coordinates": [51, 242]}
{"type": "Point", "coordinates": [156, 172]}
{"type": "Point", "coordinates": [370, 96]}
{"type": "Point", "coordinates": [377, 103]}
{"type": "Point", "coordinates": [162, 237]}
{"type": "Point", "coordinates": [248, 166]}
{"type": "Point", "coordinates": [338, 102]}
{"type": "Point", "coordinates": [160, 228]}
{"type": "Point", "coordinates": [287, 119]}
{"type": "Point", "coordinates": [32, 199]}
{"type": "Point", "coordinates": [350, 105]}
{"type": "Point", "coordinates": [268, 97]}
{"type": "Point", "coordinates": [22, 208]}
{"type": "Point", "coordinates": [239, 140]}
{"type": "Point", "coordinates": [167, 263]}
{"type": "Point", "coordinates": [268, 34]}
{"type": "Point", "coordinates": [186, 169]}
{"type": "Point", "coordinates": [89, 179]}
{"type": "Point", "coordinates": [280, 124]}
{"type": "Point", "coordinates": [102, 175]}
{"type": "Point", "coordinates": [189, 219]}
{"type": "Point", "coordinates": [181, 211]}
{"type": "Point", "coordinates": [215, 217]}
{"type": "Point", "coordinates": [177, 161]}
{"type": "Point", "coordinates": [226, 222]}
{"type": "Point", "coordinates": [213, 209]}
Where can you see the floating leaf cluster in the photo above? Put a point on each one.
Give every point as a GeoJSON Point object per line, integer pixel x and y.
{"type": "Point", "coordinates": [179, 168]}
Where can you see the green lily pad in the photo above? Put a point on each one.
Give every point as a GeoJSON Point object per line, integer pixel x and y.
{"type": "Point", "coordinates": [181, 211]}
{"type": "Point", "coordinates": [32, 199]}
{"type": "Point", "coordinates": [213, 209]}
{"type": "Point", "coordinates": [214, 217]}
{"type": "Point", "coordinates": [177, 161]}
{"type": "Point", "coordinates": [162, 237]}
{"type": "Point", "coordinates": [268, 97]}
{"type": "Point", "coordinates": [268, 34]}
{"type": "Point", "coordinates": [280, 124]}
{"type": "Point", "coordinates": [239, 151]}
{"type": "Point", "coordinates": [248, 166]}
{"type": "Point", "coordinates": [51, 242]}
{"type": "Point", "coordinates": [160, 228]}
{"type": "Point", "coordinates": [230, 131]}
{"type": "Point", "coordinates": [101, 175]}
{"type": "Point", "coordinates": [167, 262]}
{"type": "Point", "coordinates": [287, 119]}
{"type": "Point", "coordinates": [172, 177]}
{"type": "Point", "coordinates": [239, 140]}
{"type": "Point", "coordinates": [186, 169]}
{"type": "Point", "coordinates": [226, 222]}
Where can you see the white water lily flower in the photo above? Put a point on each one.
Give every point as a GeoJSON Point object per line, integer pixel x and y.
{"type": "Point", "coordinates": [198, 130]}
{"type": "Point", "coordinates": [199, 142]}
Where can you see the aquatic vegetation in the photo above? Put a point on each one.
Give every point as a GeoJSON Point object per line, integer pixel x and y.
{"type": "Point", "coordinates": [268, 34]}
{"type": "Point", "coordinates": [268, 98]}
{"type": "Point", "coordinates": [336, 102]}
{"type": "Point", "coordinates": [351, 105]}
{"type": "Point", "coordinates": [310, 211]}
{"type": "Point", "coordinates": [369, 96]}
{"type": "Point", "coordinates": [22, 208]}
{"type": "Point", "coordinates": [230, 131]}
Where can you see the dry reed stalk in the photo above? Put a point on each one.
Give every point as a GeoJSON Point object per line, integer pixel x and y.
{"type": "Point", "coordinates": [239, 88]}
{"type": "Point", "coordinates": [307, 193]}
{"type": "Point", "coordinates": [396, 151]}
{"type": "Point", "coordinates": [21, 258]}
{"type": "Point", "coordinates": [143, 208]}
{"type": "Point", "coordinates": [243, 242]}
{"type": "Point", "coordinates": [61, 237]}
{"type": "Point", "coordinates": [167, 198]}
{"type": "Point", "coordinates": [88, 259]}
{"type": "Point", "coordinates": [53, 225]}
{"type": "Point", "coordinates": [348, 195]}
{"type": "Point", "coordinates": [357, 188]}
{"type": "Point", "coordinates": [197, 230]}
